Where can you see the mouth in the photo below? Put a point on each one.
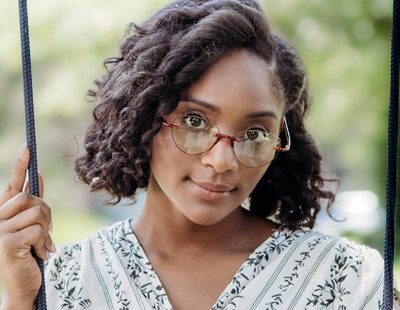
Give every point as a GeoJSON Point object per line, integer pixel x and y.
{"type": "Point", "coordinates": [211, 191]}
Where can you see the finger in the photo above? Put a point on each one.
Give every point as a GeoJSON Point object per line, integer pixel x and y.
{"type": "Point", "coordinates": [19, 172]}
{"type": "Point", "coordinates": [28, 238]}
{"type": "Point", "coordinates": [19, 244]}
{"type": "Point", "coordinates": [26, 187]}
{"type": "Point", "coordinates": [49, 244]}
{"type": "Point", "coordinates": [18, 175]}
{"type": "Point", "coordinates": [40, 249]}
{"type": "Point", "coordinates": [41, 186]}
{"type": "Point", "coordinates": [29, 217]}
{"type": "Point", "coordinates": [21, 202]}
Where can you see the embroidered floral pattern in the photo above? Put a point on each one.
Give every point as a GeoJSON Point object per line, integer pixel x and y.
{"type": "Point", "coordinates": [122, 302]}
{"type": "Point", "coordinates": [289, 270]}
{"type": "Point", "coordinates": [65, 278]}
{"type": "Point", "coordinates": [256, 262]}
{"type": "Point", "coordinates": [138, 266]}
{"type": "Point", "coordinates": [290, 279]}
{"type": "Point", "coordinates": [332, 290]}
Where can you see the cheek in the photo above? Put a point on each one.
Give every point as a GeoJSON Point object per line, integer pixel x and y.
{"type": "Point", "coordinates": [166, 158]}
{"type": "Point", "coordinates": [160, 150]}
{"type": "Point", "coordinates": [253, 178]}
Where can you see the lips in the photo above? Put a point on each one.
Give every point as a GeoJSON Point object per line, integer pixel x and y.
{"type": "Point", "coordinates": [211, 191]}
{"type": "Point", "coordinates": [214, 187]}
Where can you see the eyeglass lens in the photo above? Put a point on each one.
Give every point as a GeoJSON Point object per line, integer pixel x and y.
{"type": "Point", "coordinates": [252, 148]}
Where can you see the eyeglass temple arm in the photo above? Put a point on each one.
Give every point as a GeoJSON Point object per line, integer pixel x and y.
{"type": "Point", "coordinates": [165, 123]}
{"type": "Point", "coordinates": [286, 148]}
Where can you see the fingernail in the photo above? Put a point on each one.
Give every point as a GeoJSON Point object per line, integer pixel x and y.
{"type": "Point", "coordinates": [47, 255]}
{"type": "Point", "coordinates": [53, 247]}
{"type": "Point", "coordinates": [22, 148]}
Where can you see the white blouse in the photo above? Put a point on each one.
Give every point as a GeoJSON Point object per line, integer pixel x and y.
{"type": "Point", "coordinates": [303, 269]}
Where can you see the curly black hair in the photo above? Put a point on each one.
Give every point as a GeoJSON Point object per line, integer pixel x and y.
{"type": "Point", "coordinates": [158, 61]}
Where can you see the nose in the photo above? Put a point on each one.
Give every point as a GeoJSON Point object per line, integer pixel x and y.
{"type": "Point", "coordinates": [221, 157]}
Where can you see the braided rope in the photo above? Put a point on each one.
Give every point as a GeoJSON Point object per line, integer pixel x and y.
{"type": "Point", "coordinates": [391, 180]}
{"type": "Point", "coordinates": [40, 302]}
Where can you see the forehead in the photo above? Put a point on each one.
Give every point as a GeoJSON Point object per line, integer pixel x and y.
{"type": "Point", "coordinates": [239, 82]}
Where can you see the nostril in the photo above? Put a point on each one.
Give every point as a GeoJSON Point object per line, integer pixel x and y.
{"type": "Point", "coordinates": [221, 157]}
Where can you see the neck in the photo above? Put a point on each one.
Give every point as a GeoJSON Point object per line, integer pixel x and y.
{"type": "Point", "coordinates": [161, 228]}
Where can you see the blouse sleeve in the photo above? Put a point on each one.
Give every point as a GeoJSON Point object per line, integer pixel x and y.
{"type": "Point", "coordinates": [372, 282]}
{"type": "Point", "coordinates": [62, 274]}
{"type": "Point", "coordinates": [396, 296]}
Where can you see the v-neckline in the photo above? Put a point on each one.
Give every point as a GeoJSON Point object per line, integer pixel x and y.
{"type": "Point", "coordinates": [247, 263]}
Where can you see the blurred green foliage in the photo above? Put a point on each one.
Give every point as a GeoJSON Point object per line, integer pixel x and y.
{"type": "Point", "coordinates": [344, 44]}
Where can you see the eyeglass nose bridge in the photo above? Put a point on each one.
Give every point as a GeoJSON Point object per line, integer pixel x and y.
{"type": "Point", "coordinates": [220, 136]}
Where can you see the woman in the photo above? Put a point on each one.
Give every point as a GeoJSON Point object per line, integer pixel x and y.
{"type": "Point", "coordinates": [205, 109]}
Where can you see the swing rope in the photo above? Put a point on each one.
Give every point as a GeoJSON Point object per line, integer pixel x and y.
{"type": "Point", "coordinates": [40, 303]}
{"type": "Point", "coordinates": [391, 180]}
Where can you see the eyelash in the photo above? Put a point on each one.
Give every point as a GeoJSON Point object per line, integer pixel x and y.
{"type": "Point", "coordinates": [258, 128]}
{"type": "Point", "coordinates": [203, 117]}
{"type": "Point", "coordinates": [196, 114]}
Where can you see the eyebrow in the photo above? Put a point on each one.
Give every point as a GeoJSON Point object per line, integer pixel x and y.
{"type": "Point", "coordinates": [204, 104]}
{"type": "Point", "coordinates": [214, 108]}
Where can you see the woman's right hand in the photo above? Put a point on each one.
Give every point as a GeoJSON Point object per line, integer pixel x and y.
{"type": "Point", "coordinates": [25, 221]}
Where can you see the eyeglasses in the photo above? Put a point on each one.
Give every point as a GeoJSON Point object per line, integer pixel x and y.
{"type": "Point", "coordinates": [253, 147]}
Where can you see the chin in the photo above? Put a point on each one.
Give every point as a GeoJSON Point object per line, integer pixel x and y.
{"type": "Point", "coordinates": [203, 216]}
{"type": "Point", "coordinates": [204, 221]}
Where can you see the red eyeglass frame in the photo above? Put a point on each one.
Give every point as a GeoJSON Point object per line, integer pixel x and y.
{"type": "Point", "coordinates": [220, 136]}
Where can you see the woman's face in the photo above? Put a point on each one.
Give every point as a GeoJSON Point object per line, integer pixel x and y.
{"type": "Point", "coordinates": [234, 95]}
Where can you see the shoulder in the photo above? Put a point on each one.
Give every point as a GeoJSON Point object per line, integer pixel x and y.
{"type": "Point", "coordinates": [341, 269]}
{"type": "Point", "coordinates": [339, 254]}
{"type": "Point", "coordinates": [342, 251]}
{"type": "Point", "coordinates": [70, 257]}
{"type": "Point", "coordinates": [332, 246]}
{"type": "Point", "coordinates": [83, 274]}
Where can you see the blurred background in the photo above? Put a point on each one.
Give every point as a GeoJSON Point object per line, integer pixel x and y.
{"type": "Point", "coordinates": [345, 48]}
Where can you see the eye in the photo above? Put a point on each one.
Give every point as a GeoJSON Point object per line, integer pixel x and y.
{"type": "Point", "coordinates": [257, 135]}
{"type": "Point", "coordinates": [195, 122]}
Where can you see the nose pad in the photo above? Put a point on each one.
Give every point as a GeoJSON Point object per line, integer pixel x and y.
{"type": "Point", "coordinates": [220, 136]}
{"type": "Point", "coordinates": [221, 156]}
